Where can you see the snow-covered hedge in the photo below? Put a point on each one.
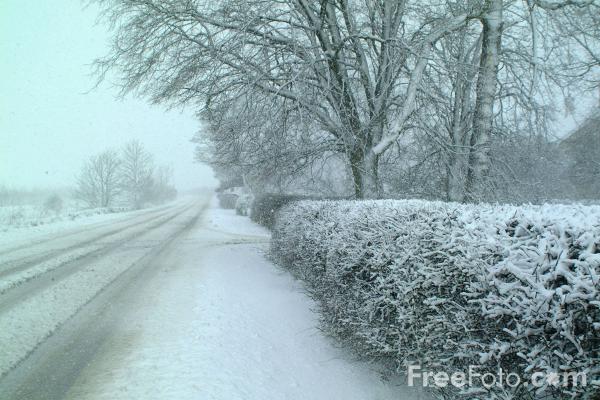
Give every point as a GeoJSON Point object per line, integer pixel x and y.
{"type": "Point", "coordinates": [265, 206]}
{"type": "Point", "coordinates": [449, 285]}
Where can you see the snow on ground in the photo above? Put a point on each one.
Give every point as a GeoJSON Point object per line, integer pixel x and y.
{"type": "Point", "coordinates": [53, 254]}
{"type": "Point", "coordinates": [221, 322]}
{"type": "Point", "coordinates": [9, 282]}
{"type": "Point", "coordinates": [35, 318]}
{"type": "Point", "coordinates": [18, 235]}
{"type": "Point", "coordinates": [26, 326]}
{"type": "Point", "coordinates": [24, 217]}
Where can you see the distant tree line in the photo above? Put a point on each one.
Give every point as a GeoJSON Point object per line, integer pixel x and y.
{"type": "Point", "coordinates": [127, 176]}
{"type": "Point", "coordinates": [11, 196]}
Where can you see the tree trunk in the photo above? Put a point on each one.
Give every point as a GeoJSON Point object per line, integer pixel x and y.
{"type": "Point", "coordinates": [479, 159]}
{"type": "Point", "coordinates": [455, 182]}
{"type": "Point", "coordinates": [365, 174]}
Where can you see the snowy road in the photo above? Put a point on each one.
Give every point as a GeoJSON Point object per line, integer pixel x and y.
{"type": "Point", "coordinates": [171, 303]}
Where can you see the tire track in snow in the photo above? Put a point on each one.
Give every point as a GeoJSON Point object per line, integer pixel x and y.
{"type": "Point", "coordinates": [37, 318]}
{"type": "Point", "coordinates": [45, 239]}
{"type": "Point", "coordinates": [69, 263]}
{"type": "Point", "coordinates": [13, 266]}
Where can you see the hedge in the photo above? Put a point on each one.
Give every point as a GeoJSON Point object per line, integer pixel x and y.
{"type": "Point", "coordinates": [265, 206]}
{"type": "Point", "coordinates": [227, 200]}
{"type": "Point", "coordinates": [447, 285]}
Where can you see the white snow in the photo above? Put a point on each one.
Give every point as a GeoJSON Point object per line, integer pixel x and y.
{"type": "Point", "coordinates": [50, 264]}
{"type": "Point", "coordinates": [24, 327]}
{"type": "Point", "coordinates": [12, 236]}
{"type": "Point", "coordinates": [34, 318]}
{"type": "Point", "coordinates": [221, 322]}
{"type": "Point", "coordinates": [515, 287]}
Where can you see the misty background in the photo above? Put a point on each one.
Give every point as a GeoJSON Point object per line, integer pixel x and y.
{"type": "Point", "coordinates": [52, 118]}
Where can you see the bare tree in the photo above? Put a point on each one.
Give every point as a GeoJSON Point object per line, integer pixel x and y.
{"type": "Point", "coordinates": [357, 71]}
{"type": "Point", "coordinates": [136, 173]}
{"type": "Point", "coordinates": [99, 182]}
{"type": "Point", "coordinates": [264, 143]}
{"type": "Point", "coordinates": [475, 95]}
{"type": "Point", "coordinates": [352, 67]}
{"type": "Point", "coordinates": [491, 36]}
{"type": "Point", "coordinates": [163, 188]}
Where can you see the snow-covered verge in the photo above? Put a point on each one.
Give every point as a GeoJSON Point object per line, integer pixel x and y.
{"type": "Point", "coordinates": [448, 285]}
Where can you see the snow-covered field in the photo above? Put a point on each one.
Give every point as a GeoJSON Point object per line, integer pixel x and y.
{"type": "Point", "coordinates": [211, 319]}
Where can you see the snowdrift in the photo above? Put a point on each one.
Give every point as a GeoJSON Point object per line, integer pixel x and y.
{"type": "Point", "coordinates": [449, 285]}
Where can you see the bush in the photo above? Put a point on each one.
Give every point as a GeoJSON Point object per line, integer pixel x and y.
{"type": "Point", "coordinates": [265, 207]}
{"type": "Point", "coordinates": [13, 215]}
{"type": "Point", "coordinates": [449, 285]}
{"type": "Point", "coordinates": [227, 200]}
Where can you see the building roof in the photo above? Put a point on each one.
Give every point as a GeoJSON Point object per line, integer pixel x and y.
{"type": "Point", "coordinates": [589, 130]}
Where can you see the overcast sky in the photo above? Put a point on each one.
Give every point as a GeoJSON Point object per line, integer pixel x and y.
{"type": "Point", "coordinates": [49, 125]}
